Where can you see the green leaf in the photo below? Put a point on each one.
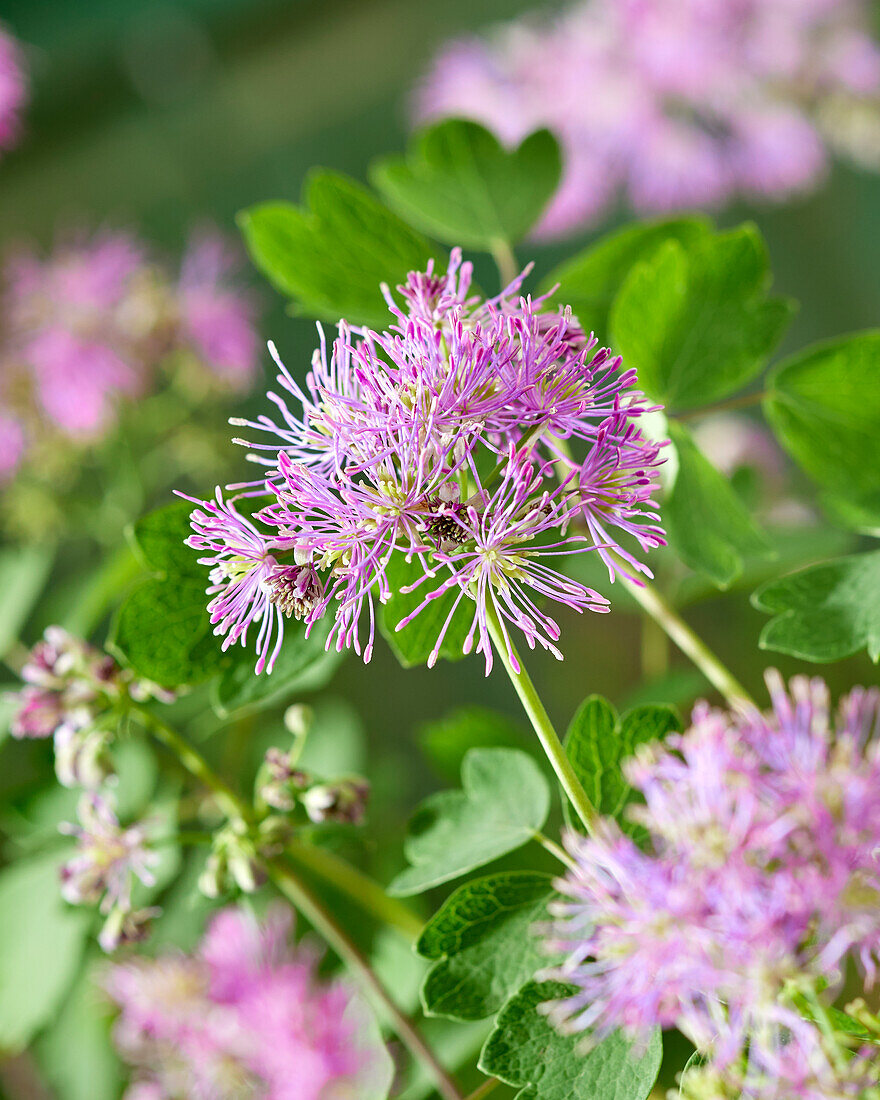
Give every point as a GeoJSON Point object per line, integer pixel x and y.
{"type": "Point", "coordinates": [599, 740]}
{"type": "Point", "coordinates": [825, 612]}
{"type": "Point", "coordinates": [589, 281]}
{"type": "Point", "coordinates": [504, 801]}
{"type": "Point", "coordinates": [483, 942]}
{"type": "Point", "coordinates": [163, 632]}
{"type": "Point", "coordinates": [75, 1053]}
{"type": "Point", "coordinates": [303, 665]}
{"type": "Point", "coordinates": [695, 320]}
{"type": "Point", "coordinates": [526, 1051]}
{"type": "Point", "coordinates": [413, 644]}
{"type": "Point", "coordinates": [331, 254]}
{"type": "Point", "coordinates": [159, 541]}
{"type": "Point", "coordinates": [707, 523]}
{"type": "Point", "coordinates": [41, 944]}
{"type": "Point", "coordinates": [458, 183]}
{"type": "Point", "coordinates": [23, 572]}
{"type": "Point", "coordinates": [162, 629]}
{"type": "Point", "coordinates": [824, 406]}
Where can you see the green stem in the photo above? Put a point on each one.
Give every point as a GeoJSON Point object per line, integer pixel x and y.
{"type": "Point", "coordinates": [690, 644]}
{"type": "Point", "coordinates": [505, 261]}
{"type": "Point", "coordinates": [487, 1086]}
{"type": "Point", "coordinates": [745, 401]}
{"type": "Point", "coordinates": [229, 802]}
{"type": "Point", "coordinates": [540, 720]}
{"type": "Point", "coordinates": [357, 886]}
{"type": "Point", "coordinates": [307, 904]}
{"type": "Point", "coordinates": [554, 849]}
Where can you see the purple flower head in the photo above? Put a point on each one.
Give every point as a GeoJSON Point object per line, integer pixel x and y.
{"type": "Point", "coordinates": [216, 318]}
{"type": "Point", "coordinates": [245, 1015]}
{"type": "Point", "coordinates": [761, 880]}
{"type": "Point", "coordinates": [108, 858]}
{"type": "Point", "coordinates": [247, 583]}
{"type": "Point", "coordinates": [673, 103]}
{"type": "Point", "coordinates": [441, 442]}
{"type": "Point", "coordinates": [13, 90]}
{"type": "Point", "coordinates": [494, 561]}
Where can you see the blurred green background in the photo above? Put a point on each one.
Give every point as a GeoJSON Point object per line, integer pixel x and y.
{"type": "Point", "coordinates": [160, 115]}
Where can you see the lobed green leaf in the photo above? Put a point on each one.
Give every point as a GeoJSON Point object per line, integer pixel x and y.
{"type": "Point", "coordinates": [414, 643]}
{"type": "Point", "coordinates": [824, 406]}
{"type": "Point", "coordinates": [503, 802]}
{"type": "Point", "coordinates": [331, 254]}
{"type": "Point", "coordinates": [458, 183]}
{"type": "Point", "coordinates": [707, 523]}
{"type": "Point", "coordinates": [590, 281]}
{"type": "Point", "coordinates": [825, 612]}
{"type": "Point", "coordinates": [695, 319]}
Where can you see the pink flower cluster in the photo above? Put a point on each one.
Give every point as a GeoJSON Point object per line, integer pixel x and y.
{"type": "Point", "coordinates": [88, 327]}
{"type": "Point", "coordinates": [673, 103]}
{"type": "Point", "coordinates": [465, 440]}
{"type": "Point", "coordinates": [107, 860]}
{"type": "Point", "coordinates": [69, 687]}
{"type": "Point", "coordinates": [245, 1015]}
{"type": "Point", "coordinates": [762, 881]}
{"type": "Point", "coordinates": [13, 90]}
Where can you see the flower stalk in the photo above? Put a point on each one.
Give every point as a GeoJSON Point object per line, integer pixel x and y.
{"type": "Point", "coordinates": [540, 719]}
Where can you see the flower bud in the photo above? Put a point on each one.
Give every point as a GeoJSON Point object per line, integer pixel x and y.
{"type": "Point", "coordinates": [344, 800]}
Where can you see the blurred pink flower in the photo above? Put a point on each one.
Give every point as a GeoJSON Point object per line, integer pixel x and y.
{"type": "Point", "coordinates": [88, 326]}
{"type": "Point", "coordinates": [216, 319]}
{"type": "Point", "coordinates": [13, 90]}
{"type": "Point", "coordinates": [78, 380]}
{"type": "Point", "coordinates": [673, 103]}
{"type": "Point", "coordinates": [12, 445]}
{"type": "Point", "coordinates": [245, 1015]}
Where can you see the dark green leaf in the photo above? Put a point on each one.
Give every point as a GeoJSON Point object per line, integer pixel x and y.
{"type": "Point", "coordinates": [695, 320]}
{"type": "Point", "coordinates": [41, 945]}
{"type": "Point", "coordinates": [825, 612]}
{"type": "Point", "coordinates": [483, 942]}
{"type": "Point", "coordinates": [824, 406]}
{"type": "Point", "coordinates": [589, 282]}
{"type": "Point", "coordinates": [413, 644]}
{"type": "Point", "coordinates": [446, 741]}
{"type": "Point", "coordinates": [504, 801]}
{"type": "Point", "coordinates": [597, 743]}
{"type": "Point", "coordinates": [159, 539]}
{"type": "Point", "coordinates": [458, 183]}
{"type": "Point", "coordinates": [524, 1050]}
{"type": "Point", "coordinates": [163, 632]}
{"type": "Point", "coordinates": [331, 254]}
{"type": "Point", "coordinates": [707, 524]}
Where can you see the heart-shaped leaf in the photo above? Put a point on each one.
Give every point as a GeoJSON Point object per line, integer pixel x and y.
{"type": "Point", "coordinates": [458, 183]}
{"type": "Point", "coordinates": [504, 801]}
{"type": "Point", "coordinates": [331, 254]}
